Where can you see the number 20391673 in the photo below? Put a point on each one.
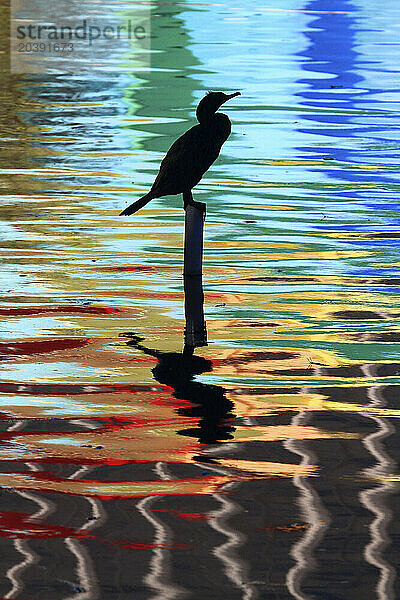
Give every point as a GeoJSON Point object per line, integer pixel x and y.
{"type": "Point", "coordinates": [60, 47]}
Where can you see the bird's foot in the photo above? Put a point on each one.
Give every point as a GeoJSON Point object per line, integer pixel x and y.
{"type": "Point", "coordinates": [201, 206]}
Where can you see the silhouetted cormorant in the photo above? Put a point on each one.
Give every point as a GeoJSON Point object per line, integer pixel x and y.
{"type": "Point", "coordinates": [192, 154]}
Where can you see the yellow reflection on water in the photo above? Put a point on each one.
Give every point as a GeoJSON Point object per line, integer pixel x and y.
{"type": "Point", "coordinates": [269, 469]}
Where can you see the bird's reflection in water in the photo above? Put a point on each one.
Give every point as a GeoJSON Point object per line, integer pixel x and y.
{"type": "Point", "coordinates": [208, 402]}
{"type": "Point", "coordinates": [178, 370]}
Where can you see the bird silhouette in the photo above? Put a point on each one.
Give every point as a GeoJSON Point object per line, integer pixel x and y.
{"type": "Point", "coordinates": [191, 155]}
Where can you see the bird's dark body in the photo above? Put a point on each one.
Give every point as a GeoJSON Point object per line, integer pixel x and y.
{"type": "Point", "coordinates": [189, 157]}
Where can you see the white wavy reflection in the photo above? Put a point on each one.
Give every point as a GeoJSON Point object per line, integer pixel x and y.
{"type": "Point", "coordinates": [159, 577]}
{"type": "Point", "coordinates": [312, 511]}
{"type": "Point", "coordinates": [377, 499]}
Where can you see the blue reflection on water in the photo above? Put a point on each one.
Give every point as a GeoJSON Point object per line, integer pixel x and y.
{"type": "Point", "coordinates": [332, 42]}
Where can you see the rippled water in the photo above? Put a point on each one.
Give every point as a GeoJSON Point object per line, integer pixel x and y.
{"type": "Point", "coordinates": [265, 466]}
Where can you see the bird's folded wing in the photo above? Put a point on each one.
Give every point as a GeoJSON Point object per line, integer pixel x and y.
{"type": "Point", "coordinates": [185, 163]}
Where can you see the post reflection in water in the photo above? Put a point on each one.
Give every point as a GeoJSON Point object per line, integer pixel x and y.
{"type": "Point", "coordinates": [195, 327]}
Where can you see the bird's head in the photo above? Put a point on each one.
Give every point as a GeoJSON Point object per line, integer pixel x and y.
{"type": "Point", "coordinates": [211, 103]}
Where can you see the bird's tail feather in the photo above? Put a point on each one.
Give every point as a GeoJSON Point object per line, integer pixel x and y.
{"type": "Point", "coordinates": [135, 206]}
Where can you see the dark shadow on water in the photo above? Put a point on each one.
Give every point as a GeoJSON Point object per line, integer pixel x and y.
{"type": "Point", "coordinates": [208, 402]}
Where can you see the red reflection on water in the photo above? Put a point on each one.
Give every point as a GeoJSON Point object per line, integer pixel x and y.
{"type": "Point", "coordinates": [139, 268]}
{"type": "Point", "coordinates": [147, 360]}
{"type": "Point", "coordinates": [4, 598]}
{"type": "Point", "coordinates": [20, 525]}
{"type": "Point", "coordinates": [81, 462]}
{"type": "Point", "coordinates": [39, 310]}
{"type": "Point", "coordinates": [117, 423]}
{"type": "Point", "coordinates": [184, 515]}
{"type": "Point", "coordinates": [41, 346]}
{"type": "Point", "coordinates": [15, 525]}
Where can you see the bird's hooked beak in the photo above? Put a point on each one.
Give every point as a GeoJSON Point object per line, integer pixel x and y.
{"type": "Point", "coordinates": [229, 96]}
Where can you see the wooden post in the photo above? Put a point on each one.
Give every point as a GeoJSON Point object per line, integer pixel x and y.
{"type": "Point", "coordinates": [193, 252]}
{"type": "Point", "coordinates": [195, 329]}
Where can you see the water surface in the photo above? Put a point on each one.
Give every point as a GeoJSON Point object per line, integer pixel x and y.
{"type": "Point", "coordinates": [265, 466]}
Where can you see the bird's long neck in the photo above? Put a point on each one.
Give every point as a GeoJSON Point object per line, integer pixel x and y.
{"type": "Point", "coordinates": [204, 113]}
